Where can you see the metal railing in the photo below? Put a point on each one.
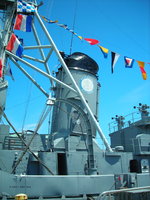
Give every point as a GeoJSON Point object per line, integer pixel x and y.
{"type": "Point", "coordinates": [103, 195]}
{"type": "Point", "coordinates": [129, 119]}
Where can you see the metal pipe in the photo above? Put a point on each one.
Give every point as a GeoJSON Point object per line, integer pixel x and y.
{"type": "Point", "coordinates": [42, 52]}
{"type": "Point", "coordinates": [32, 58]}
{"type": "Point", "coordinates": [74, 83]}
{"type": "Point", "coordinates": [38, 47]}
{"type": "Point", "coordinates": [48, 56]}
{"type": "Point", "coordinates": [40, 71]}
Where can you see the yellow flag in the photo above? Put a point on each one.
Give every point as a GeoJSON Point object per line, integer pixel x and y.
{"type": "Point", "coordinates": [104, 51]}
{"type": "Point", "coordinates": [80, 37]}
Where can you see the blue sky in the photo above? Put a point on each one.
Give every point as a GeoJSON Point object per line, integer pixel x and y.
{"type": "Point", "coordinates": [121, 26]}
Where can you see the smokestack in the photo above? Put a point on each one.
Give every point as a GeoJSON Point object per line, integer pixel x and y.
{"type": "Point", "coordinates": [66, 119]}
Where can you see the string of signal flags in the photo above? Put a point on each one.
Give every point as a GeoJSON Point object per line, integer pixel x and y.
{"type": "Point", "coordinates": [114, 56]}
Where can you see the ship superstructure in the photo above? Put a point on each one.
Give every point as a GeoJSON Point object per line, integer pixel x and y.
{"type": "Point", "coordinates": [68, 163]}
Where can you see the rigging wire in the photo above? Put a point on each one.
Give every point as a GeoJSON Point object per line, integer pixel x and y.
{"type": "Point", "coordinates": [49, 6]}
{"type": "Point", "coordinates": [26, 145]}
{"type": "Point", "coordinates": [24, 102]}
{"type": "Point", "coordinates": [72, 35]}
{"type": "Point", "coordinates": [27, 106]}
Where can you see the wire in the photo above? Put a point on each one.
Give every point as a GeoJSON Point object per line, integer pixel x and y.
{"type": "Point", "coordinates": [75, 14]}
{"type": "Point", "coordinates": [26, 145]}
{"type": "Point", "coordinates": [27, 105]}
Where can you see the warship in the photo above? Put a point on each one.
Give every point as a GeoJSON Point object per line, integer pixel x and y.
{"type": "Point", "coordinates": [68, 163]}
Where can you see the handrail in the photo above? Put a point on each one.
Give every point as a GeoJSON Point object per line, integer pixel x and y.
{"type": "Point", "coordinates": [121, 190]}
{"type": "Point", "coordinates": [129, 119]}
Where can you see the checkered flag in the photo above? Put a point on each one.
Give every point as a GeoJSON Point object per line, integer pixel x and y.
{"type": "Point", "coordinates": [24, 7]}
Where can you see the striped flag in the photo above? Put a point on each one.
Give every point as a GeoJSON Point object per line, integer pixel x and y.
{"type": "Point", "coordinates": [23, 23]}
{"type": "Point", "coordinates": [114, 57]}
{"type": "Point", "coordinates": [14, 45]}
{"type": "Point", "coordinates": [141, 66]}
{"type": "Point", "coordinates": [104, 51]}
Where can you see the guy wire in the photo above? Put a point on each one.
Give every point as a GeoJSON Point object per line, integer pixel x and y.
{"type": "Point", "coordinates": [75, 13]}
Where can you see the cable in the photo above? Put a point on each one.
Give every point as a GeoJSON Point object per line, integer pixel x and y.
{"type": "Point", "coordinates": [26, 107]}
{"type": "Point", "coordinates": [75, 14]}
{"type": "Point", "coordinates": [42, 118]}
{"type": "Point", "coordinates": [27, 146]}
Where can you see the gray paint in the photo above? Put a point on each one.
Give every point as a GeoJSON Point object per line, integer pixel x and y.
{"type": "Point", "coordinates": [79, 166]}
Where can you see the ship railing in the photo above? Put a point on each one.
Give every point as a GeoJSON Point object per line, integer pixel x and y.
{"type": "Point", "coordinates": [108, 194]}
{"type": "Point", "coordinates": [13, 143]}
{"type": "Point", "coordinates": [128, 120]}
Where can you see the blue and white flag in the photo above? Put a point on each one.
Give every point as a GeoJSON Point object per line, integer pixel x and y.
{"type": "Point", "coordinates": [24, 7]}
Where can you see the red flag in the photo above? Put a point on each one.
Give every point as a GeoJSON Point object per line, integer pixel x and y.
{"type": "Point", "coordinates": [91, 41]}
{"type": "Point", "coordinates": [1, 68]}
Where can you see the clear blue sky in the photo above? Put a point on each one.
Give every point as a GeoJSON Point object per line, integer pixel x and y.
{"type": "Point", "coordinates": [121, 26]}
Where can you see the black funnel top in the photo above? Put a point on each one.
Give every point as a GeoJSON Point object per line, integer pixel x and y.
{"type": "Point", "coordinates": [81, 61]}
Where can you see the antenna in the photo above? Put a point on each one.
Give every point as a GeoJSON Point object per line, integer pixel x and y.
{"type": "Point", "coordinates": [120, 121]}
{"type": "Point", "coordinates": [143, 109]}
{"type": "Point", "coordinates": [75, 14]}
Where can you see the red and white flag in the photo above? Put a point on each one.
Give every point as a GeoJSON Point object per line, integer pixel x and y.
{"type": "Point", "coordinates": [128, 62]}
